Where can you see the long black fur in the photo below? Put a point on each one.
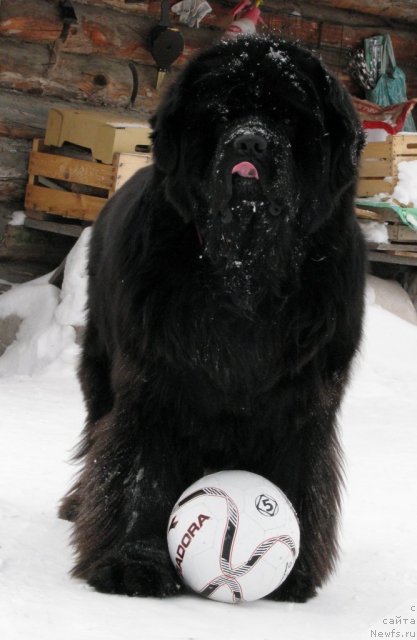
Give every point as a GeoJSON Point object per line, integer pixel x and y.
{"type": "Point", "coordinates": [223, 314]}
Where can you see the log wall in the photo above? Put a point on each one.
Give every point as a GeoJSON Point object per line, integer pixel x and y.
{"type": "Point", "coordinates": [102, 61]}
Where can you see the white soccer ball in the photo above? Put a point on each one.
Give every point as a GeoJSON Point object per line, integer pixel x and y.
{"type": "Point", "coordinates": [233, 536]}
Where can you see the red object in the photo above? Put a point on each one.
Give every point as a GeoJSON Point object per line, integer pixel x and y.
{"type": "Point", "coordinates": [245, 17]}
{"type": "Point", "coordinates": [391, 118]}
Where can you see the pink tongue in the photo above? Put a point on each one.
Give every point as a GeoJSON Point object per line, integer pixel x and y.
{"type": "Point", "coordinates": [246, 170]}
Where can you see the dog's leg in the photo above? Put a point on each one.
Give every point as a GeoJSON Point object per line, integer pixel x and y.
{"type": "Point", "coordinates": [94, 374]}
{"type": "Point", "coordinates": [314, 490]}
{"type": "Point", "coordinates": [130, 483]}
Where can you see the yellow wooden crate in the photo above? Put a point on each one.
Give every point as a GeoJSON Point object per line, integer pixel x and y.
{"type": "Point", "coordinates": [378, 169]}
{"type": "Point", "coordinates": [52, 177]}
{"type": "Point", "coordinates": [102, 133]}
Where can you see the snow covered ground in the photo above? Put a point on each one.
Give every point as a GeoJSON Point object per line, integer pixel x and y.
{"type": "Point", "coordinates": [374, 591]}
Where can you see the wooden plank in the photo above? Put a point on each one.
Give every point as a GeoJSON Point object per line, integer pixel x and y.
{"type": "Point", "coordinates": [73, 230]}
{"type": "Point", "coordinates": [378, 150]}
{"type": "Point", "coordinates": [366, 214]}
{"type": "Point", "coordinates": [401, 233]}
{"type": "Point", "coordinates": [380, 160]}
{"type": "Point", "coordinates": [371, 168]}
{"type": "Point", "coordinates": [396, 248]}
{"type": "Point", "coordinates": [394, 146]}
{"type": "Point", "coordinates": [385, 214]}
{"type": "Point", "coordinates": [60, 167]}
{"type": "Point", "coordinates": [380, 256]}
{"type": "Point", "coordinates": [404, 145]}
{"type": "Point", "coordinates": [126, 165]}
{"type": "Point", "coordinates": [71, 205]}
{"type": "Point", "coordinates": [370, 187]}
{"type": "Point", "coordinates": [405, 254]}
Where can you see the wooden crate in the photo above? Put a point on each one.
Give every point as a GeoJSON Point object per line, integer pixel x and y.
{"type": "Point", "coordinates": [104, 134]}
{"type": "Point", "coordinates": [62, 185]}
{"type": "Point", "coordinates": [378, 169]}
{"type": "Point", "coordinates": [401, 247]}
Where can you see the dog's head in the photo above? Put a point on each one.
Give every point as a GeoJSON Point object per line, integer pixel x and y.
{"type": "Point", "coordinates": [258, 143]}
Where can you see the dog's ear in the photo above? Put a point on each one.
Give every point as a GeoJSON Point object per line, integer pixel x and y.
{"type": "Point", "coordinates": [346, 134]}
{"type": "Point", "coordinates": [166, 126]}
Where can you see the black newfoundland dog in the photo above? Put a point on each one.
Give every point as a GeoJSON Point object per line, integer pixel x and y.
{"type": "Point", "coordinates": [225, 306]}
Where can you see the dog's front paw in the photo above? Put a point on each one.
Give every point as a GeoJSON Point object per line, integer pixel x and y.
{"type": "Point", "coordinates": [298, 587]}
{"type": "Point", "coordinates": [141, 568]}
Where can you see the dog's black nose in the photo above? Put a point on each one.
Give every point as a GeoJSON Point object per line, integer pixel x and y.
{"type": "Point", "coordinates": [250, 144]}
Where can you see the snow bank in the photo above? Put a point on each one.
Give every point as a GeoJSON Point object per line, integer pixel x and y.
{"type": "Point", "coordinates": [49, 315]}
{"type": "Point", "coordinates": [390, 295]}
{"type": "Point", "coordinates": [40, 338]}
{"type": "Point", "coordinates": [405, 191]}
{"type": "Point", "coordinates": [71, 310]}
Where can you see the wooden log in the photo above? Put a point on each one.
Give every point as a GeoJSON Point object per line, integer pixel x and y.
{"type": "Point", "coordinates": [104, 31]}
{"type": "Point", "coordinates": [402, 10]}
{"type": "Point", "coordinates": [347, 38]}
{"type": "Point", "coordinates": [95, 79]}
{"type": "Point", "coordinates": [23, 67]}
{"type": "Point", "coordinates": [153, 8]}
{"type": "Point", "coordinates": [118, 35]}
{"type": "Point", "coordinates": [294, 27]}
{"type": "Point", "coordinates": [30, 20]}
{"type": "Point", "coordinates": [25, 116]}
{"type": "Point", "coordinates": [98, 80]}
{"type": "Point", "coordinates": [13, 168]}
{"type": "Point", "coordinates": [21, 243]}
{"type": "Point", "coordinates": [109, 33]}
{"type": "Point", "coordinates": [129, 6]}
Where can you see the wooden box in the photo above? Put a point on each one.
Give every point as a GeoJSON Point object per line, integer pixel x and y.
{"type": "Point", "coordinates": [102, 133]}
{"type": "Point", "coordinates": [73, 187]}
{"type": "Point", "coordinates": [378, 169]}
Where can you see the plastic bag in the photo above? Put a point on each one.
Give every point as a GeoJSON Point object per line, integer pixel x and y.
{"type": "Point", "coordinates": [390, 87]}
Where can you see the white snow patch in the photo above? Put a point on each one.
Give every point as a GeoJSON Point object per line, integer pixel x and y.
{"type": "Point", "coordinates": [390, 295]}
{"type": "Point", "coordinates": [18, 218]}
{"type": "Point", "coordinates": [278, 56]}
{"type": "Point", "coordinates": [49, 316]}
{"type": "Point", "coordinates": [72, 308]}
{"type": "Point", "coordinates": [374, 232]}
{"type": "Point", "coordinates": [405, 191]}
{"type": "Point", "coordinates": [41, 417]}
